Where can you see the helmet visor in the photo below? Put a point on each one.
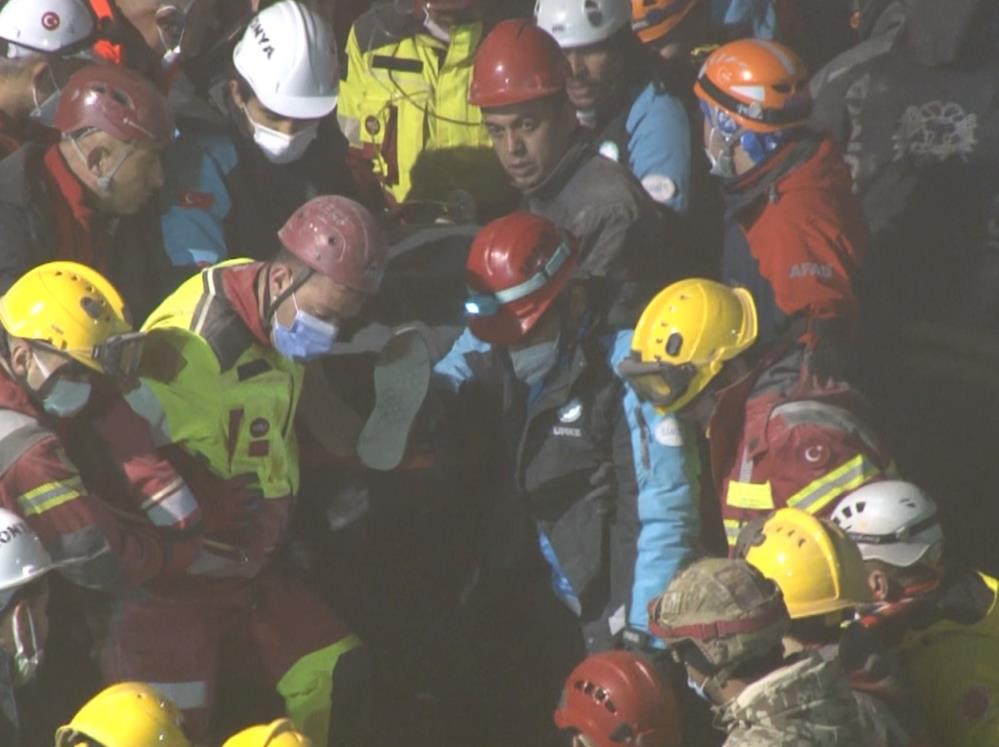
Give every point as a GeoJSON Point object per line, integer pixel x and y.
{"type": "Point", "coordinates": [660, 384]}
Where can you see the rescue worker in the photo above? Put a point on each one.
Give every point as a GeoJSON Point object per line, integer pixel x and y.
{"type": "Point", "coordinates": [79, 199]}
{"type": "Point", "coordinates": [404, 106]}
{"type": "Point", "coordinates": [775, 440]}
{"type": "Point", "coordinates": [230, 188]}
{"type": "Point", "coordinates": [128, 714]}
{"type": "Point", "coordinates": [942, 615]}
{"type": "Point", "coordinates": [673, 28]}
{"type": "Point", "coordinates": [922, 161]}
{"type": "Point", "coordinates": [65, 335]}
{"type": "Point", "coordinates": [618, 698]}
{"type": "Point", "coordinates": [795, 234]}
{"type": "Point", "coordinates": [876, 25]}
{"type": "Point", "coordinates": [821, 574]}
{"type": "Point", "coordinates": [151, 36]}
{"type": "Point", "coordinates": [49, 27]}
{"type": "Point", "coordinates": [587, 460]}
{"type": "Point", "coordinates": [280, 733]}
{"type": "Point", "coordinates": [24, 596]}
{"type": "Point", "coordinates": [36, 65]}
{"type": "Point", "coordinates": [724, 622]}
{"type": "Point", "coordinates": [618, 94]}
{"type": "Point", "coordinates": [221, 379]}
{"type": "Point", "coordinates": [519, 80]}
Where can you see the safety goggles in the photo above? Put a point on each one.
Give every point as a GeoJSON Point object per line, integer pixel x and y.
{"type": "Point", "coordinates": [489, 304]}
{"type": "Point", "coordinates": [658, 383]}
{"type": "Point", "coordinates": [903, 535]}
{"type": "Point", "coordinates": [118, 356]}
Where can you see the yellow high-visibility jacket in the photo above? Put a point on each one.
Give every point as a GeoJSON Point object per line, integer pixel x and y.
{"type": "Point", "coordinates": [954, 669]}
{"type": "Point", "coordinates": [211, 388]}
{"type": "Point", "coordinates": [404, 108]}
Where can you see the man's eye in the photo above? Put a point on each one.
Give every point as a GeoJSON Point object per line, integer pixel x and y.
{"type": "Point", "coordinates": [528, 125]}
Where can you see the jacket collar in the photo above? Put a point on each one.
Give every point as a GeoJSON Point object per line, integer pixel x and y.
{"type": "Point", "coordinates": [579, 151]}
{"type": "Point", "coordinates": [69, 187]}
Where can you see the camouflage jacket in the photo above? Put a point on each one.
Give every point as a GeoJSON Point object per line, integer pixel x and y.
{"type": "Point", "coordinates": [805, 704]}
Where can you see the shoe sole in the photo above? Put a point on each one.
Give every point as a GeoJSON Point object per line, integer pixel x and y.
{"type": "Point", "coordinates": [402, 378]}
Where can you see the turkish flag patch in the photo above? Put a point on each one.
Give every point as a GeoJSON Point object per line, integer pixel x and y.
{"type": "Point", "coordinates": [190, 198]}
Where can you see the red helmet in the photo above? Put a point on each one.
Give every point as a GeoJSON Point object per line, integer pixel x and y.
{"type": "Point", "coordinates": [517, 62]}
{"type": "Point", "coordinates": [616, 699]}
{"type": "Point", "coordinates": [117, 101]}
{"type": "Point", "coordinates": [338, 238]}
{"type": "Point", "coordinates": [761, 85]}
{"type": "Point", "coordinates": [516, 267]}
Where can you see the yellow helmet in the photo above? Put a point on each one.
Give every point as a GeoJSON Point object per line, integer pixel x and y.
{"type": "Point", "coordinates": [817, 567]}
{"type": "Point", "coordinates": [129, 714]}
{"type": "Point", "coordinates": [74, 310]}
{"type": "Point", "coordinates": [280, 733]}
{"type": "Point", "coordinates": [684, 337]}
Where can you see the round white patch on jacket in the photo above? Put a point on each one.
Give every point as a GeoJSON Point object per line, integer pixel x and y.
{"type": "Point", "coordinates": [660, 188]}
{"type": "Point", "coordinates": [668, 432]}
{"type": "Point", "coordinates": [571, 412]}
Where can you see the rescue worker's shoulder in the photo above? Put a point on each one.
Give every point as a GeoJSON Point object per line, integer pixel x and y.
{"type": "Point", "coordinates": [171, 354]}
{"type": "Point", "coordinates": [664, 430]}
{"type": "Point", "coordinates": [603, 185]}
{"type": "Point", "coordinates": [381, 26]}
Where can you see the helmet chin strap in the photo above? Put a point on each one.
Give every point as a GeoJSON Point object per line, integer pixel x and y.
{"type": "Point", "coordinates": [103, 182]}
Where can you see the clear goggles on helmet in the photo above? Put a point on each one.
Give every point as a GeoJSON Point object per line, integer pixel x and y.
{"type": "Point", "coordinates": [719, 119]}
{"type": "Point", "coordinates": [658, 383]}
{"type": "Point", "coordinates": [902, 536]}
{"type": "Point", "coordinates": [118, 356]}
{"type": "Point", "coordinates": [489, 304]}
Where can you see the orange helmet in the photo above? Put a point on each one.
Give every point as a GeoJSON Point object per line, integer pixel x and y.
{"type": "Point", "coordinates": [761, 85]}
{"type": "Point", "coordinates": [653, 19]}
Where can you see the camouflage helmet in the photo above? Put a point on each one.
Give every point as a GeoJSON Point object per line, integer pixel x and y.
{"type": "Point", "coordinates": [723, 606]}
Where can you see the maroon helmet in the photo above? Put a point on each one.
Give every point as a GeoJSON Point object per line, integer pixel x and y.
{"type": "Point", "coordinates": [338, 238]}
{"type": "Point", "coordinates": [117, 101]}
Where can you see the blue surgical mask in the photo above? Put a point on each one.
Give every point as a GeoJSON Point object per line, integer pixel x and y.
{"type": "Point", "coordinates": [532, 364]}
{"type": "Point", "coordinates": [307, 337]}
{"type": "Point", "coordinates": [698, 688]}
{"type": "Point", "coordinates": [65, 397]}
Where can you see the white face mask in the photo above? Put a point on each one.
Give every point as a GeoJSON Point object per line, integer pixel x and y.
{"type": "Point", "coordinates": [279, 148]}
{"type": "Point", "coordinates": [28, 651]}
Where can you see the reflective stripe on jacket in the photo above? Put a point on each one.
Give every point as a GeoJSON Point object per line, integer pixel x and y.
{"type": "Point", "coordinates": [404, 108]}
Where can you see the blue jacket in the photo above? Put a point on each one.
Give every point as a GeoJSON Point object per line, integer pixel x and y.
{"type": "Point", "coordinates": [652, 138]}
{"type": "Point", "coordinates": [221, 198]}
{"type": "Point", "coordinates": [611, 485]}
{"type": "Point", "coordinates": [756, 18]}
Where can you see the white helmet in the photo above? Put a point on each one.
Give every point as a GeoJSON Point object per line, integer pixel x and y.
{"type": "Point", "coordinates": [892, 521]}
{"type": "Point", "coordinates": [576, 23]}
{"type": "Point", "coordinates": [46, 26]}
{"type": "Point", "coordinates": [288, 56]}
{"type": "Point", "coordinates": [23, 557]}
